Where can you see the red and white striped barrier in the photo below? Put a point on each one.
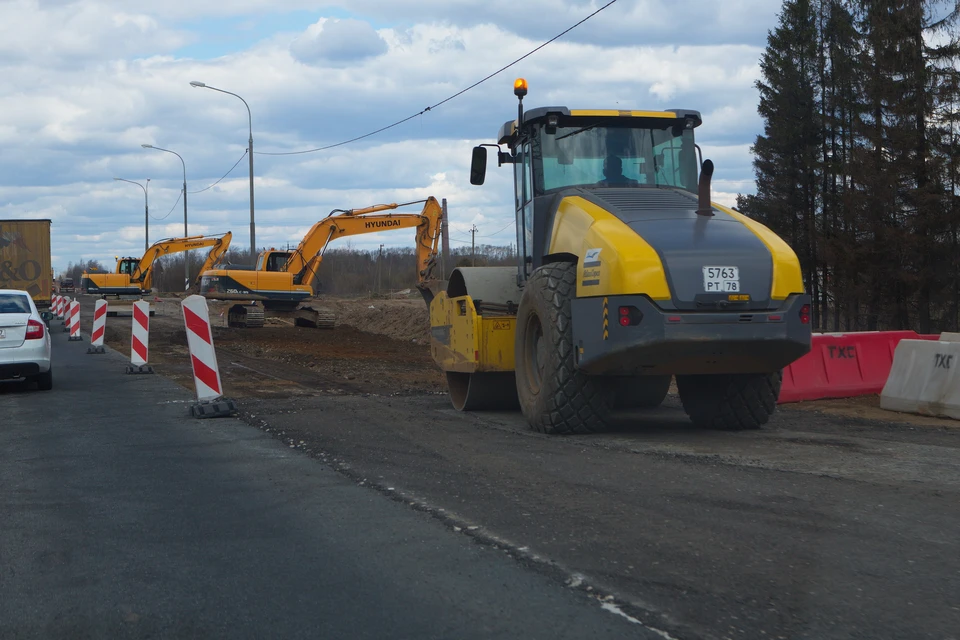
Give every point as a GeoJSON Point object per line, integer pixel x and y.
{"type": "Point", "coordinates": [62, 308]}
{"type": "Point", "coordinates": [65, 314]}
{"type": "Point", "coordinates": [203, 357]}
{"type": "Point", "coordinates": [140, 339]}
{"type": "Point", "coordinates": [99, 327]}
{"type": "Point", "coordinates": [73, 321]}
{"type": "Point", "coordinates": [54, 303]}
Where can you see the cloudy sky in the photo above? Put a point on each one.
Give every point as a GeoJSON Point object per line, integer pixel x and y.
{"type": "Point", "coordinates": [84, 83]}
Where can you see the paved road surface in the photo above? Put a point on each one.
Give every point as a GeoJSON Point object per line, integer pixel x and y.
{"type": "Point", "coordinates": [121, 517]}
{"type": "Point", "coordinates": [812, 528]}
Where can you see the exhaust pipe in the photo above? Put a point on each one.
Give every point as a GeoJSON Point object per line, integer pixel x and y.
{"type": "Point", "coordinates": [706, 173]}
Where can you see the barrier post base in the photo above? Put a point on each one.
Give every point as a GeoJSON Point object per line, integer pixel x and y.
{"type": "Point", "coordinates": [66, 329]}
{"type": "Point", "coordinates": [74, 339]}
{"type": "Point", "coordinates": [96, 350]}
{"type": "Point", "coordinates": [219, 408]}
{"type": "Point", "coordinates": [143, 368]}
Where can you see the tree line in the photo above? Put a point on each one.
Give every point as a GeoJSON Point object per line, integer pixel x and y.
{"type": "Point", "coordinates": [857, 166]}
{"type": "Point", "coordinates": [344, 271]}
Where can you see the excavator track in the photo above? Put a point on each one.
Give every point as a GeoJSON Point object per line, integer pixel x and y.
{"type": "Point", "coordinates": [245, 316]}
{"type": "Point", "coordinates": [315, 318]}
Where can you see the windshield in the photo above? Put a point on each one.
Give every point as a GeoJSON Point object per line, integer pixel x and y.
{"type": "Point", "coordinates": [14, 303]}
{"type": "Point", "coordinates": [128, 266]}
{"type": "Point", "coordinates": [616, 156]}
{"type": "Point", "coordinates": [277, 260]}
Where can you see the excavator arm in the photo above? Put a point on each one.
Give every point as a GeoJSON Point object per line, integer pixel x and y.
{"type": "Point", "coordinates": [216, 253]}
{"type": "Point", "coordinates": [305, 261]}
{"type": "Point", "coordinates": [144, 271]}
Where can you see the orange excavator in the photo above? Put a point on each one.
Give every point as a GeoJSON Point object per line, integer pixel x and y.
{"type": "Point", "coordinates": [283, 281]}
{"type": "Point", "coordinates": [134, 276]}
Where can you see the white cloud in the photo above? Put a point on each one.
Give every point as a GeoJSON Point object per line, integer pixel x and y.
{"type": "Point", "coordinates": [339, 42]}
{"type": "Point", "coordinates": [83, 84]}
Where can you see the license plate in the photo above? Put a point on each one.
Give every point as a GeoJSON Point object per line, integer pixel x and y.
{"type": "Point", "coordinates": [721, 279]}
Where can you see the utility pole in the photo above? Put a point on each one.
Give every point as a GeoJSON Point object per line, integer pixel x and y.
{"type": "Point", "coordinates": [379, 267]}
{"type": "Point", "coordinates": [473, 244]}
{"type": "Point", "coordinates": [445, 242]}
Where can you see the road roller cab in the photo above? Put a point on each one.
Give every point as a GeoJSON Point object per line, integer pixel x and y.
{"type": "Point", "coordinates": [627, 276]}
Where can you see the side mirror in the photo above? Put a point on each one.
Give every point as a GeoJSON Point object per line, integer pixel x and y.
{"type": "Point", "coordinates": [478, 165]}
{"type": "Point", "coordinates": [46, 316]}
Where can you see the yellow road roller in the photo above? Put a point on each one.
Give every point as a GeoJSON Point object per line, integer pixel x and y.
{"type": "Point", "coordinates": [627, 276]}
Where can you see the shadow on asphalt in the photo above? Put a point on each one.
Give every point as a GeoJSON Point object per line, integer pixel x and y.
{"type": "Point", "coordinates": [13, 387]}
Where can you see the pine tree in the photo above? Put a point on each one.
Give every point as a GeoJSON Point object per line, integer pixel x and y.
{"type": "Point", "coordinates": [857, 167]}
{"type": "Point", "coordinates": [787, 154]}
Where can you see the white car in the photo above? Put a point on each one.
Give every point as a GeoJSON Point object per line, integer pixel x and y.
{"type": "Point", "coordinates": [24, 340]}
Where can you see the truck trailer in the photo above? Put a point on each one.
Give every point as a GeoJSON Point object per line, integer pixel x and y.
{"type": "Point", "coordinates": [25, 258]}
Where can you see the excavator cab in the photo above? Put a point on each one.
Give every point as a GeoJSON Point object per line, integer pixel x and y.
{"type": "Point", "coordinates": [273, 260]}
{"type": "Point", "coordinates": [128, 266]}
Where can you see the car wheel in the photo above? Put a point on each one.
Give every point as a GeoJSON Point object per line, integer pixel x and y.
{"type": "Point", "coordinates": [45, 380]}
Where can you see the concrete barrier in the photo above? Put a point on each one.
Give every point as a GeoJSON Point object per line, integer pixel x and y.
{"type": "Point", "coordinates": [923, 379]}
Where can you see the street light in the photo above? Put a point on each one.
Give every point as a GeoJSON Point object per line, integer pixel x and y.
{"type": "Point", "coordinates": [146, 211]}
{"type": "Point", "coordinates": [253, 241]}
{"type": "Point", "coordinates": [186, 262]}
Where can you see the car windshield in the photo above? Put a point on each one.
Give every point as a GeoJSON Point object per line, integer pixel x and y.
{"type": "Point", "coordinates": [599, 155]}
{"type": "Point", "coordinates": [14, 303]}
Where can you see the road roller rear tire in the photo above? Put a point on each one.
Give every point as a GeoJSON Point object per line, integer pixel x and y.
{"type": "Point", "coordinates": [555, 396]}
{"type": "Point", "coordinates": [641, 392]}
{"type": "Point", "coordinates": [730, 402]}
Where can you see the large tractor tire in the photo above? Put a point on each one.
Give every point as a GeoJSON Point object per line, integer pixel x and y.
{"type": "Point", "coordinates": [555, 396]}
{"type": "Point", "coordinates": [730, 402]}
{"type": "Point", "coordinates": [641, 392]}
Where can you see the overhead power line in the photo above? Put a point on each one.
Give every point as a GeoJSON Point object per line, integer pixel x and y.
{"type": "Point", "coordinates": [224, 175]}
{"type": "Point", "coordinates": [445, 100]}
{"type": "Point", "coordinates": [171, 208]}
{"type": "Point", "coordinates": [453, 234]}
{"type": "Point", "coordinates": [498, 230]}
{"type": "Point", "coordinates": [201, 190]}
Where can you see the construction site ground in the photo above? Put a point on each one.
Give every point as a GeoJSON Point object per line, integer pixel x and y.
{"type": "Point", "coordinates": [837, 520]}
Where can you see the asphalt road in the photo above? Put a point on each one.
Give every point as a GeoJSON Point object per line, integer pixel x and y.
{"type": "Point", "coordinates": [815, 527]}
{"type": "Point", "coordinates": [122, 517]}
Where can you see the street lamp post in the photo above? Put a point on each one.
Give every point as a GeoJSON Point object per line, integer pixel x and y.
{"type": "Point", "coordinates": [186, 259]}
{"type": "Point", "coordinates": [253, 235]}
{"type": "Point", "coordinates": [146, 211]}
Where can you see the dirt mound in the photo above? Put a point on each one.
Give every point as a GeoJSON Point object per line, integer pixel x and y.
{"type": "Point", "coordinates": [403, 319]}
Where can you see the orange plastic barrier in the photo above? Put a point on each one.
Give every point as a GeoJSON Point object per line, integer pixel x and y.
{"type": "Point", "coordinates": [843, 365]}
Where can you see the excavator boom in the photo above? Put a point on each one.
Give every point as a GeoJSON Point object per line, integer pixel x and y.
{"type": "Point", "coordinates": [305, 260]}
{"type": "Point", "coordinates": [144, 271]}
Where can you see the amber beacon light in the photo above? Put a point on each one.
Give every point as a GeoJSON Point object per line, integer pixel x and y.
{"type": "Point", "coordinates": [519, 87]}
